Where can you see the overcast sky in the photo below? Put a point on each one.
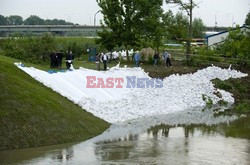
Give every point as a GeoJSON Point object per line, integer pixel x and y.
{"type": "Point", "coordinates": [82, 11]}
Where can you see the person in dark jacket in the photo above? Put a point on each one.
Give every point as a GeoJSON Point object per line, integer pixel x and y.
{"type": "Point", "coordinates": [53, 60]}
{"type": "Point", "coordinates": [156, 58]}
{"type": "Point", "coordinates": [105, 60]}
{"type": "Point", "coordinates": [69, 59]}
{"type": "Point", "coordinates": [59, 55]}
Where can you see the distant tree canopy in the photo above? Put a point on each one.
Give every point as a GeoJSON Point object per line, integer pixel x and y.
{"type": "Point", "coordinates": [32, 20]}
{"type": "Point", "coordinates": [178, 26]}
{"type": "Point", "coordinates": [247, 21]}
{"type": "Point", "coordinates": [198, 28]}
{"type": "Point", "coordinates": [3, 20]}
{"type": "Point", "coordinates": [15, 20]}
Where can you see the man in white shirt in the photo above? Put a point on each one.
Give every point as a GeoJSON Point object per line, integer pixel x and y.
{"type": "Point", "coordinates": [105, 60]}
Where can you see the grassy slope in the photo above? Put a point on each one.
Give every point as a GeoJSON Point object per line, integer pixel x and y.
{"type": "Point", "coordinates": [240, 88]}
{"type": "Point", "coordinates": [33, 115]}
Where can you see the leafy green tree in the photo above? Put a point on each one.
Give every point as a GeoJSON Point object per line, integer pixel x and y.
{"type": "Point", "coordinates": [106, 40]}
{"type": "Point", "coordinates": [168, 22]}
{"type": "Point", "coordinates": [231, 46]}
{"type": "Point", "coordinates": [247, 21]}
{"type": "Point", "coordinates": [15, 20]}
{"type": "Point", "coordinates": [198, 28]}
{"type": "Point", "coordinates": [131, 21]}
{"type": "Point", "coordinates": [244, 54]}
{"type": "Point", "coordinates": [236, 46]}
{"type": "Point", "coordinates": [168, 18]}
{"type": "Point", "coordinates": [150, 23]}
{"type": "Point", "coordinates": [188, 7]}
{"type": "Point", "coordinates": [34, 20]}
{"type": "Point", "coordinates": [179, 27]}
{"type": "Point", "coordinates": [3, 20]}
{"type": "Point", "coordinates": [118, 16]}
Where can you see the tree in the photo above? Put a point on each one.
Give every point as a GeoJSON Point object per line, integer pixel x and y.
{"type": "Point", "coordinates": [106, 40]}
{"type": "Point", "coordinates": [131, 21]}
{"type": "Point", "coordinates": [247, 21]}
{"type": "Point", "coordinates": [198, 28]}
{"type": "Point", "coordinates": [168, 22]}
{"type": "Point", "coordinates": [150, 24]}
{"type": "Point", "coordinates": [34, 20]}
{"type": "Point", "coordinates": [236, 45]}
{"type": "Point", "coordinates": [118, 16]}
{"type": "Point", "coordinates": [15, 20]}
{"type": "Point", "coordinates": [178, 27]}
{"type": "Point", "coordinates": [188, 7]}
{"type": "Point", "coordinates": [3, 20]}
{"type": "Point", "coordinates": [244, 54]}
{"type": "Point", "coordinates": [57, 22]}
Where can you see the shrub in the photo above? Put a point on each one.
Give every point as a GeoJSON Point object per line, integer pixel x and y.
{"type": "Point", "coordinates": [146, 54]}
{"type": "Point", "coordinates": [150, 60]}
{"type": "Point", "coordinates": [32, 49]}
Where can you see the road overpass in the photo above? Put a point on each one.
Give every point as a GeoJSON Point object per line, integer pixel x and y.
{"type": "Point", "coordinates": [48, 28]}
{"type": "Point", "coordinates": [62, 29]}
{"type": "Point", "coordinates": [216, 29]}
{"type": "Point", "coordinates": [59, 29]}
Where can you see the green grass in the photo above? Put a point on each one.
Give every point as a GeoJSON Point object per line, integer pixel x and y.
{"type": "Point", "coordinates": [240, 88]}
{"type": "Point", "coordinates": [33, 115]}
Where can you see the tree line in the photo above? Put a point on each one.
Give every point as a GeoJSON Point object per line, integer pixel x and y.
{"type": "Point", "coordinates": [143, 23]}
{"type": "Point", "coordinates": [31, 20]}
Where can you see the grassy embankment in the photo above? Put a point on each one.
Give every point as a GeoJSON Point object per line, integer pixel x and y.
{"type": "Point", "coordinates": [240, 88]}
{"type": "Point", "coordinates": [33, 115]}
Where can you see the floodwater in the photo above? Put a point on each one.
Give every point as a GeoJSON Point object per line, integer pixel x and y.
{"type": "Point", "coordinates": [194, 137]}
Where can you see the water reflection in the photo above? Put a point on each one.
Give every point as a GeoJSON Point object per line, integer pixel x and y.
{"type": "Point", "coordinates": [63, 155]}
{"type": "Point", "coordinates": [181, 145]}
{"type": "Point", "coordinates": [123, 147]}
{"type": "Point", "coordinates": [185, 138]}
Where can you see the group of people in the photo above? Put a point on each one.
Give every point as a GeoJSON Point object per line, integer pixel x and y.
{"type": "Point", "coordinates": [56, 59]}
{"type": "Point", "coordinates": [101, 57]}
{"type": "Point", "coordinates": [166, 57]}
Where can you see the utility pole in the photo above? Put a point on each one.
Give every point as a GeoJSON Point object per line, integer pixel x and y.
{"type": "Point", "coordinates": [95, 21]}
{"type": "Point", "coordinates": [189, 31]}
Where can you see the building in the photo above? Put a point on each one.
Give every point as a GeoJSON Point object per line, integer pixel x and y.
{"type": "Point", "coordinates": [215, 39]}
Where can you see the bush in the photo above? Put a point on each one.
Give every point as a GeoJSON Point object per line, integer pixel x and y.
{"type": "Point", "coordinates": [208, 54]}
{"type": "Point", "coordinates": [32, 49]}
{"type": "Point", "coordinates": [146, 54]}
{"type": "Point", "coordinates": [38, 49]}
{"type": "Point", "coordinates": [243, 107]}
{"type": "Point", "coordinates": [77, 45]}
{"type": "Point", "coordinates": [150, 60]}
